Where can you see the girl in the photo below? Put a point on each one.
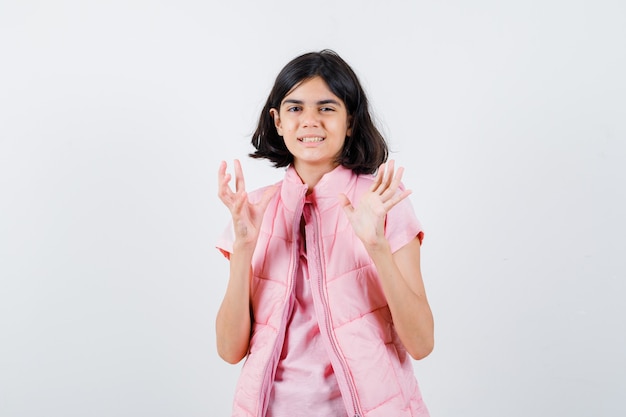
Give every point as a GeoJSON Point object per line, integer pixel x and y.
{"type": "Point", "coordinates": [325, 295]}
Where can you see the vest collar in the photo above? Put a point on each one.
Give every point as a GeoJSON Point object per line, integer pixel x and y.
{"type": "Point", "coordinates": [324, 194]}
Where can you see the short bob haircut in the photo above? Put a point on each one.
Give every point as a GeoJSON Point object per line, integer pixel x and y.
{"type": "Point", "coordinates": [363, 151]}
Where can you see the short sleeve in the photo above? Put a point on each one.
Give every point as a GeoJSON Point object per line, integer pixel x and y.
{"type": "Point", "coordinates": [402, 225]}
{"type": "Point", "coordinates": [225, 240]}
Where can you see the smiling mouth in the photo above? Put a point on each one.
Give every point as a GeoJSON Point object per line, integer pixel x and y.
{"type": "Point", "coordinates": [311, 140]}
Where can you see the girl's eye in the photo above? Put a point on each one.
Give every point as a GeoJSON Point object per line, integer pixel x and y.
{"type": "Point", "coordinates": [326, 109]}
{"type": "Point", "coordinates": [293, 108]}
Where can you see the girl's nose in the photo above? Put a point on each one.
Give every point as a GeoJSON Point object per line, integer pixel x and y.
{"type": "Point", "coordinates": [310, 117]}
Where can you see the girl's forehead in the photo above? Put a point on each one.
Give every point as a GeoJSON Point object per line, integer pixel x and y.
{"type": "Point", "coordinates": [311, 89]}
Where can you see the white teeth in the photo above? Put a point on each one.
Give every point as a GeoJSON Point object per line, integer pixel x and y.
{"type": "Point", "coordinates": [309, 140]}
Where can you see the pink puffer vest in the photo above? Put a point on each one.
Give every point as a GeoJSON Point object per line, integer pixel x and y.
{"type": "Point", "coordinates": [374, 372]}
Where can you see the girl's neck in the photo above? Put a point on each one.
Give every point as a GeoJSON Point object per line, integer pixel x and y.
{"type": "Point", "coordinates": [311, 175]}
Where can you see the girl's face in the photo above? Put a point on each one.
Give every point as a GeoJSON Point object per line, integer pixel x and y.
{"type": "Point", "coordinates": [314, 124]}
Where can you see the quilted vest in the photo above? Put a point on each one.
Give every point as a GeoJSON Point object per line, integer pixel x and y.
{"type": "Point", "coordinates": [373, 369]}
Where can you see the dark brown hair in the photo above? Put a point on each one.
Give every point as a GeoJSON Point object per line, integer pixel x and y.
{"type": "Point", "coordinates": [363, 151]}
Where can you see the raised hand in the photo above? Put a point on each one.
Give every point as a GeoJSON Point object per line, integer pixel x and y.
{"type": "Point", "coordinates": [368, 219]}
{"type": "Point", "coordinates": [246, 216]}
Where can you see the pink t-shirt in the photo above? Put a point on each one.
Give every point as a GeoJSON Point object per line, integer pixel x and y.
{"type": "Point", "coordinates": [305, 384]}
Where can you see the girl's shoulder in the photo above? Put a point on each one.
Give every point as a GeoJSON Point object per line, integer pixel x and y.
{"type": "Point", "coordinates": [256, 194]}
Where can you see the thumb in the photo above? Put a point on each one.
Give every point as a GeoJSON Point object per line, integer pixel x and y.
{"type": "Point", "coordinates": [345, 203]}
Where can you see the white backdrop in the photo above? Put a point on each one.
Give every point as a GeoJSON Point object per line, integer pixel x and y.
{"type": "Point", "coordinates": [508, 116]}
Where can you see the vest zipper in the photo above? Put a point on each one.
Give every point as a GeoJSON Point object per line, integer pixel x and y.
{"type": "Point", "coordinates": [270, 367]}
{"type": "Point", "coordinates": [327, 320]}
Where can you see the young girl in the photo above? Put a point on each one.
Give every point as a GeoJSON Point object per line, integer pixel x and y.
{"type": "Point", "coordinates": [325, 295]}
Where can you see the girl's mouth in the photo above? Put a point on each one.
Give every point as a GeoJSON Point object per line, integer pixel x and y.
{"type": "Point", "coordinates": [311, 139]}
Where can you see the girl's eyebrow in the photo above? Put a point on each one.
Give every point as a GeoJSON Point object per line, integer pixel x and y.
{"type": "Point", "coordinates": [321, 102]}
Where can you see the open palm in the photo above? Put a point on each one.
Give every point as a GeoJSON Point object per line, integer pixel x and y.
{"type": "Point", "coordinates": [368, 218]}
{"type": "Point", "coordinates": [247, 216]}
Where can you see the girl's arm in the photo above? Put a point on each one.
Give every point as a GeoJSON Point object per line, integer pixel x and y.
{"type": "Point", "coordinates": [401, 278]}
{"type": "Point", "coordinates": [400, 273]}
{"type": "Point", "coordinates": [233, 322]}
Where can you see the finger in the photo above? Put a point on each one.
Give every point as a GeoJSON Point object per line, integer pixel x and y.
{"type": "Point", "coordinates": [345, 203]}
{"type": "Point", "coordinates": [393, 186]}
{"type": "Point", "coordinates": [238, 203]}
{"type": "Point", "coordinates": [224, 192]}
{"type": "Point", "coordinates": [386, 178]}
{"type": "Point", "coordinates": [379, 177]}
{"type": "Point", "coordinates": [397, 179]}
{"type": "Point", "coordinates": [221, 170]}
{"type": "Point", "coordinates": [240, 184]}
{"type": "Point", "coordinates": [396, 199]}
{"type": "Point", "coordinates": [221, 174]}
{"type": "Point", "coordinates": [223, 178]}
{"type": "Point", "coordinates": [391, 193]}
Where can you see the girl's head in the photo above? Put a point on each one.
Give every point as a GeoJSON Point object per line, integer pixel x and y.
{"type": "Point", "coordinates": [364, 148]}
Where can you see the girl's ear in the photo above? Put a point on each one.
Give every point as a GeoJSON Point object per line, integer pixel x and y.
{"type": "Point", "coordinates": [349, 131]}
{"type": "Point", "coordinates": [276, 116]}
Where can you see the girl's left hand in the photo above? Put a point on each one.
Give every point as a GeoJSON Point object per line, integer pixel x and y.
{"type": "Point", "coordinates": [368, 219]}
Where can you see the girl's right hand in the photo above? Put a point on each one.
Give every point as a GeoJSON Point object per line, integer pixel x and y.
{"type": "Point", "coordinates": [247, 216]}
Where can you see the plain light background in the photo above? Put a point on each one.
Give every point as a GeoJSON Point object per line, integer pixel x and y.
{"type": "Point", "coordinates": [508, 116]}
